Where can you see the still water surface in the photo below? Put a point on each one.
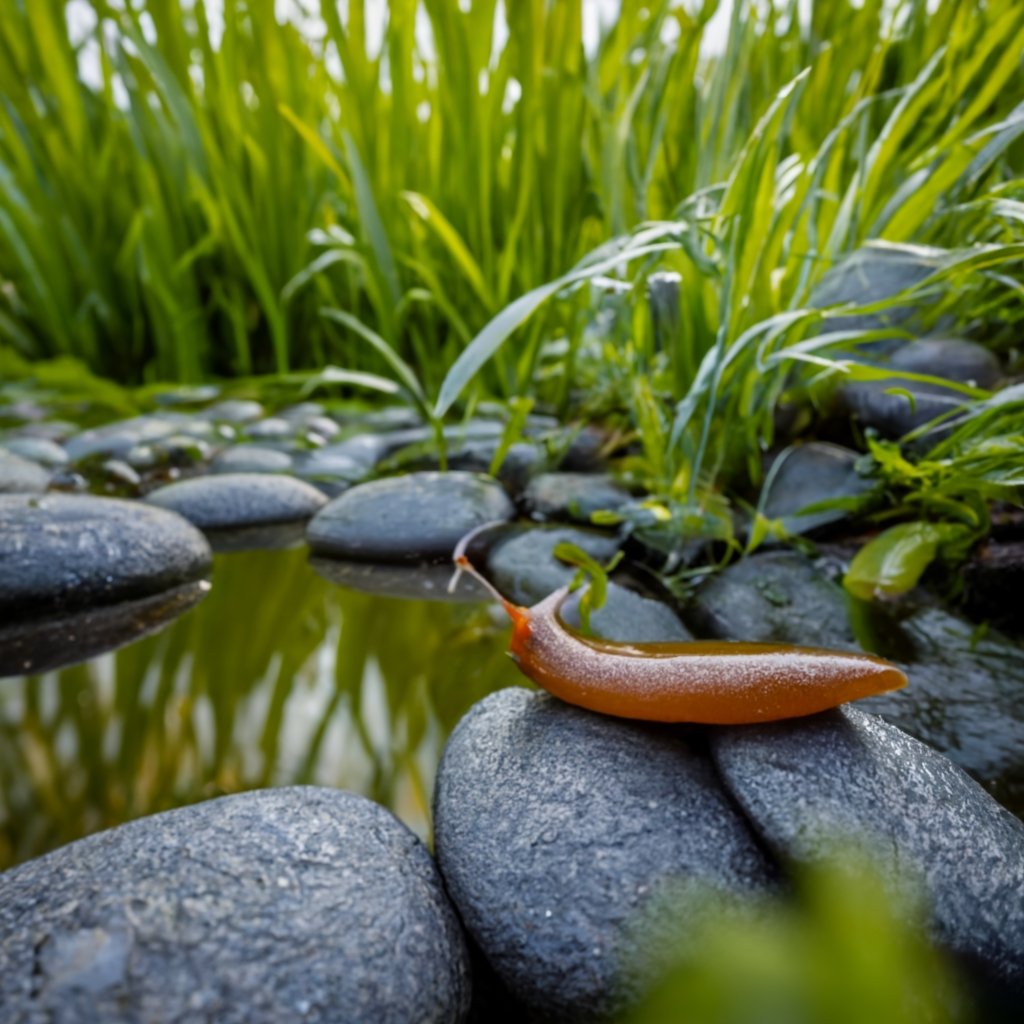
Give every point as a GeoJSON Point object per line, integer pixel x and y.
{"type": "Point", "coordinates": [278, 677]}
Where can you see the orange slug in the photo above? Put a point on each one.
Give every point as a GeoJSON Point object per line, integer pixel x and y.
{"type": "Point", "coordinates": [712, 682]}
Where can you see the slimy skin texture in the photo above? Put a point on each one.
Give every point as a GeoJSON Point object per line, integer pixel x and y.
{"type": "Point", "coordinates": [711, 682]}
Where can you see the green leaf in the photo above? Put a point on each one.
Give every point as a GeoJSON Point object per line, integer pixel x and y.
{"type": "Point", "coordinates": [894, 561]}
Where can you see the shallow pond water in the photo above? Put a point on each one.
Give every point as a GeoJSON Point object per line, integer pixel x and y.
{"type": "Point", "coordinates": [277, 677]}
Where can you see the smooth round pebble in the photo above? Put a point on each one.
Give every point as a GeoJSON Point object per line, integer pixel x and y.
{"type": "Point", "coordinates": [229, 501]}
{"type": "Point", "coordinates": [21, 476]}
{"type": "Point", "coordinates": [297, 904]}
{"type": "Point", "coordinates": [61, 553]}
{"type": "Point", "coordinates": [572, 496]}
{"type": "Point", "coordinates": [251, 458]}
{"type": "Point", "coordinates": [417, 517]}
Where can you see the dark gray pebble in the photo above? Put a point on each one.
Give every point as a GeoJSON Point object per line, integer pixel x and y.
{"type": "Point", "coordinates": [966, 692]}
{"type": "Point", "coordinates": [230, 501]}
{"type": "Point", "coordinates": [300, 904]}
{"type": "Point", "coordinates": [117, 439]}
{"type": "Point", "coordinates": [873, 274]}
{"type": "Point", "coordinates": [21, 476]}
{"type": "Point", "coordinates": [36, 449]}
{"type": "Point", "coordinates": [251, 458]}
{"type": "Point", "coordinates": [63, 553]}
{"type": "Point", "coordinates": [522, 565]}
{"type": "Point", "coordinates": [574, 496]}
{"type": "Point", "coordinates": [806, 475]}
{"type": "Point", "coordinates": [418, 517]}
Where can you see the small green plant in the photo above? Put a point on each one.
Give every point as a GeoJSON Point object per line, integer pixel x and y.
{"type": "Point", "coordinates": [838, 951]}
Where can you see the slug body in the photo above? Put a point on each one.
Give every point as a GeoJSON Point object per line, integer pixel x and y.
{"type": "Point", "coordinates": [712, 682]}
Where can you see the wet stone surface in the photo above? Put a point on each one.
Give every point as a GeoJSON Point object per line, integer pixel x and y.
{"type": "Point", "coordinates": [812, 786]}
{"type": "Point", "coordinates": [36, 449]}
{"type": "Point", "coordinates": [251, 458]}
{"type": "Point", "coordinates": [555, 827]}
{"type": "Point", "coordinates": [61, 553]}
{"type": "Point", "coordinates": [21, 476]}
{"type": "Point", "coordinates": [870, 275]}
{"type": "Point", "coordinates": [418, 517]}
{"type": "Point", "coordinates": [522, 565]}
{"type": "Point", "coordinates": [81, 575]}
{"type": "Point", "coordinates": [277, 905]}
{"type": "Point", "coordinates": [894, 415]}
{"type": "Point", "coordinates": [965, 696]}
{"type": "Point", "coordinates": [806, 475]}
{"type": "Point", "coordinates": [117, 439]}
{"type": "Point", "coordinates": [229, 501]}
{"type": "Point", "coordinates": [575, 496]}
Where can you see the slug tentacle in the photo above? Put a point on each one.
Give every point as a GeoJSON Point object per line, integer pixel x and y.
{"type": "Point", "coordinates": [713, 682]}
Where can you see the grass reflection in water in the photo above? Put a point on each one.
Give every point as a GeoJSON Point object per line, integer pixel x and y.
{"type": "Point", "coordinates": [278, 677]}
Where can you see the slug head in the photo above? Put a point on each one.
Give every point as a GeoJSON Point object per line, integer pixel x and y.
{"type": "Point", "coordinates": [520, 616]}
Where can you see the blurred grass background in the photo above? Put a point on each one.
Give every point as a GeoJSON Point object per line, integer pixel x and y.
{"type": "Point", "coordinates": [226, 170]}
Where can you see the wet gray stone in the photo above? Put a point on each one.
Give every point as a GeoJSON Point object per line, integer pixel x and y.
{"type": "Point", "coordinates": [957, 359]}
{"type": "Point", "coordinates": [872, 274]}
{"type": "Point", "coordinates": [777, 597]}
{"type": "Point", "coordinates": [572, 496]}
{"type": "Point", "coordinates": [584, 452]}
{"type": "Point", "coordinates": [229, 501]}
{"type": "Point", "coordinates": [522, 564]}
{"type": "Point", "coordinates": [966, 692]}
{"type": "Point", "coordinates": [297, 904]}
{"type": "Point", "coordinates": [993, 582]}
{"type": "Point", "coordinates": [197, 394]}
{"type": "Point", "coordinates": [321, 426]}
{"type": "Point", "coordinates": [808, 474]}
{"type": "Point", "coordinates": [813, 786]}
{"type": "Point", "coordinates": [52, 430]}
{"type": "Point", "coordinates": [523, 460]}
{"type": "Point", "coordinates": [418, 517]}
{"type": "Point", "coordinates": [117, 439]}
{"type": "Point", "coordinates": [302, 411]}
{"type": "Point", "coordinates": [894, 415]}
{"type": "Point", "coordinates": [523, 567]}
{"type": "Point", "coordinates": [235, 410]}
{"type": "Point", "coordinates": [63, 553]}
{"type": "Point", "coordinates": [628, 617]}
{"type": "Point", "coordinates": [119, 477]}
{"type": "Point", "coordinates": [330, 472]}
{"type": "Point", "coordinates": [965, 697]}
{"type": "Point", "coordinates": [21, 476]}
{"type": "Point", "coordinates": [555, 827]}
{"type": "Point", "coordinates": [36, 449]}
{"type": "Point", "coordinates": [273, 429]}
{"type": "Point", "coordinates": [251, 458]}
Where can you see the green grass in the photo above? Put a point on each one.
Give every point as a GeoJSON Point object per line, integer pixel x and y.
{"type": "Point", "coordinates": [461, 218]}
{"type": "Point", "coordinates": [193, 212]}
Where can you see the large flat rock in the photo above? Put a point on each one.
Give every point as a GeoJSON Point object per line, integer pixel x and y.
{"type": "Point", "coordinates": [298, 904]}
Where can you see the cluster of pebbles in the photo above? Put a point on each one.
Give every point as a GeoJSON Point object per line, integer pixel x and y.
{"type": "Point", "coordinates": [556, 829]}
